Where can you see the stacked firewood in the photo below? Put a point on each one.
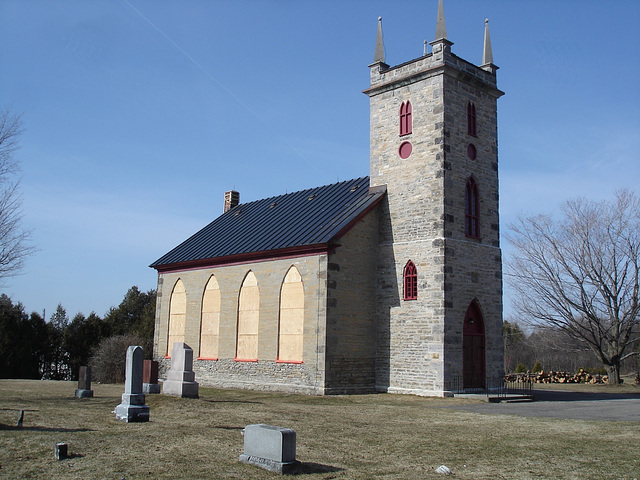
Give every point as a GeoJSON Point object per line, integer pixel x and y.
{"type": "Point", "coordinates": [581, 376]}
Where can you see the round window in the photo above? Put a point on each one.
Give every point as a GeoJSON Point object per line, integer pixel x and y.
{"type": "Point", "coordinates": [405, 149]}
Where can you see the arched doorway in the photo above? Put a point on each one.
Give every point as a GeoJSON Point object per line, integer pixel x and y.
{"type": "Point", "coordinates": [473, 359]}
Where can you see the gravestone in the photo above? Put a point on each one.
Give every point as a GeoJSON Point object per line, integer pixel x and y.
{"type": "Point", "coordinates": [150, 377]}
{"type": "Point", "coordinates": [271, 448]}
{"type": "Point", "coordinates": [180, 377]}
{"type": "Point", "coordinates": [132, 408]}
{"type": "Point", "coordinates": [61, 451]}
{"type": "Point", "coordinates": [84, 383]}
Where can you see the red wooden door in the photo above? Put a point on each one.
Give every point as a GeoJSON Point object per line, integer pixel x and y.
{"type": "Point", "coordinates": [473, 358]}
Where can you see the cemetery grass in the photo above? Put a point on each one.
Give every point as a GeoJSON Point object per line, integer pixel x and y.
{"type": "Point", "coordinates": [339, 437]}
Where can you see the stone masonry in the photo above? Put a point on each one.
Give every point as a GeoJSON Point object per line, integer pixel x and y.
{"type": "Point", "coordinates": [422, 220]}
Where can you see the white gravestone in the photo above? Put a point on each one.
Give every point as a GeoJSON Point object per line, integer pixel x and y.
{"type": "Point", "coordinates": [180, 377]}
{"type": "Point", "coordinates": [132, 408]}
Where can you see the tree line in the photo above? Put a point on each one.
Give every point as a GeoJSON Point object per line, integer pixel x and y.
{"type": "Point", "coordinates": [553, 349]}
{"type": "Point", "coordinates": [31, 347]}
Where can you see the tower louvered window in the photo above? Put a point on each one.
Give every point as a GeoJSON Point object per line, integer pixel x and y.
{"type": "Point", "coordinates": [405, 118]}
{"type": "Point", "coordinates": [471, 209]}
{"type": "Point", "coordinates": [471, 119]}
{"type": "Point", "coordinates": [410, 281]}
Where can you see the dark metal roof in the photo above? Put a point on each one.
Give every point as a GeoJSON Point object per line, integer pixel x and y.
{"type": "Point", "coordinates": [306, 218]}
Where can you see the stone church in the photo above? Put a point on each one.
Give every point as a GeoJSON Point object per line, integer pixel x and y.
{"type": "Point", "coordinates": [390, 282]}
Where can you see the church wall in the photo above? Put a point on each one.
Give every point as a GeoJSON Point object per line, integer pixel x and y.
{"type": "Point", "coordinates": [266, 373]}
{"type": "Point", "coordinates": [411, 332]}
{"type": "Point", "coordinates": [423, 220]}
{"type": "Point", "coordinates": [473, 266]}
{"type": "Point", "coordinates": [351, 326]}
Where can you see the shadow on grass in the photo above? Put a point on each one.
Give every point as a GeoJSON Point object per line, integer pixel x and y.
{"type": "Point", "coordinates": [230, 401]}
{"type": "Point", "coordinates": [227, 427]}
{"type": "Point", "coordinates": [310, 467]}
{"type": "Point", "coordinates": [45, 429]}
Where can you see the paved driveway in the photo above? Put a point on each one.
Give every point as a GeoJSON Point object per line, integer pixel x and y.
{"type": "Point", "coordinates": [623, 407]}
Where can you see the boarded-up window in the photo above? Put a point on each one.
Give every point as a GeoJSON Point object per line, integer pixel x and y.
{"type": "Point", "coordinates": [290, 337]}
{"type": "Point", "coordinates": [177, 315]}
{"type": "Point", "coordinates": [210, 325]}
{"type": "Point", "coordinates": [248, 317]}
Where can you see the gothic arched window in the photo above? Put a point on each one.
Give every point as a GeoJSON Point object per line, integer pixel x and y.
{"type": "Point", "coordinates": [410, 281]}
{"type": "Point", "coordinates": [471, 119]}
{"type": "Point", "coordinates": [177, 315]}
{"type": "Point", "coordinates": [210, 321]}
{"type": "Point", "coordinates": [291, 324]}
{"type": "Point", "coordinates": [248, 318]}
{"type": "Point", "coordinates": [405, 118]}
{"type": "Point", "coordinates": [471, 209]}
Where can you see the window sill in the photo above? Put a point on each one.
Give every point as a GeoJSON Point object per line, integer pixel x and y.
{"type": "Point", "coordinates": [254, 360]}
{"type": "Point", "coordinates": [205, 358]}
{"type": "Point", "coordinates": [296, 362]}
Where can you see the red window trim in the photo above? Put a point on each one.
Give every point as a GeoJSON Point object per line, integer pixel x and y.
{"type": "Point", "coordinates": [406, 121]}
{"type": "Point", "coordinates": [296, 362]}
{"type": "Point", "coordinates": [255, 360]}
{"type": "Point", "coordinates": [410, 281]}
{"type": "Point", "coordinates": [471, 209]}
{"type": "Point", "coordinates": [205, 358]}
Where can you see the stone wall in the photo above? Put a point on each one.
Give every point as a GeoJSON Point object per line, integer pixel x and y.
{"type": "Point", "coordinates": [351, 325]}
{"type": "Point", "coordinates": [267, 373]}
{"type": "Point", "coordinates": [422, 220]}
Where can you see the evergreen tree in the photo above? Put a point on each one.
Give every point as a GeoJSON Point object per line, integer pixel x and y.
{"type": "Point", "coordinates": [23, 341]}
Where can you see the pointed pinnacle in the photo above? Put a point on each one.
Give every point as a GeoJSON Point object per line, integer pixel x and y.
{"type": "Point", "coordinates": [441, 27]}
{"type": "Point", "coordinates": [487, 54]}
{"type": "Point", "coordinates": [378, 55]}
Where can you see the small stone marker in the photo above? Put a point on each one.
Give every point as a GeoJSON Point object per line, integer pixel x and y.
{"type": "Point", "coordinates": [132, 408]}
{"type": "Point", "coordinates": [61, 451]}
{"type": "Point", "coordinates": [84, 383]}
{"type": "Point", "coordinates": [271, 448]}
{"type": "Point", "coordinates": [150, 377]}
{"type": "Point", "coordinates": [20, 418]}
{"type": "Point", "coordinates": [180, 377]}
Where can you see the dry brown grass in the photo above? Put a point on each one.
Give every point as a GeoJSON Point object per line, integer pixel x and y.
{"type": "Point", "coordinates": [342, 437]}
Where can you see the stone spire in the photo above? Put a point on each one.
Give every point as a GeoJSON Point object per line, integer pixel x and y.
{"type": "Point", "coordinates": [441, 26]}
{"type": "Point", "coordinates": [487, 54]}
{"type": "Point", "coordinates": [441, 44]}
{"type": "Point", "coordinates": [378, 56]}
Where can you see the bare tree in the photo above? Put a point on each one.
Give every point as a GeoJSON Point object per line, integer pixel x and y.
{"type": "Point", "coordinates": [14, 246]}
{"type": "Point", "coordinates": [581, 273]}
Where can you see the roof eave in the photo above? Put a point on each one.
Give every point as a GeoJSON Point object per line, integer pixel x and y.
{"type": "Point", "coordinates": [242, 258]}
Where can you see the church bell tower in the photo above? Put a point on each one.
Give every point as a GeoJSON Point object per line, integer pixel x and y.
{"type": "Point", "coordinates": [434, 144]}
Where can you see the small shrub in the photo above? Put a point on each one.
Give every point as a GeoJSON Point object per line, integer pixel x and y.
{"type": "Point", "coordinates": [537, 367]}
{"type": "Point", "coordinates": [597, 371]}
{"type": "Point", "coordinates": [520, 368]}
{"type": "Point", "coordinates": [109, 359]}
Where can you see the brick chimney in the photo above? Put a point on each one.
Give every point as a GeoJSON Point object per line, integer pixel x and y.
{"type": "Point", "coordinates": [231, 199]}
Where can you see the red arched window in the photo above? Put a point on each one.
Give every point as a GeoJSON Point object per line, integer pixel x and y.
{"type": "Point", "coordinates": [471, 209]}
{"type": "Point", "coordinates": [471, 119]}
{"type": "Point", "coordinates": [410, 281]}
{"type": "Point", "coordinates": [405, 118]}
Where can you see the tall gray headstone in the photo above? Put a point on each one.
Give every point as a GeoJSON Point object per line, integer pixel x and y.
{"type": "Point", "coordinates": [180, 377]}
{"type": "Point", "coordinates": [132, 408]}
{"type": "Point", "coordinates": [84, 383]}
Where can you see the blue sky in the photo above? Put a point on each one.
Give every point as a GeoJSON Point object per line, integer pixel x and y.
{"type": "Point", "coordinates": [140, 114]}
